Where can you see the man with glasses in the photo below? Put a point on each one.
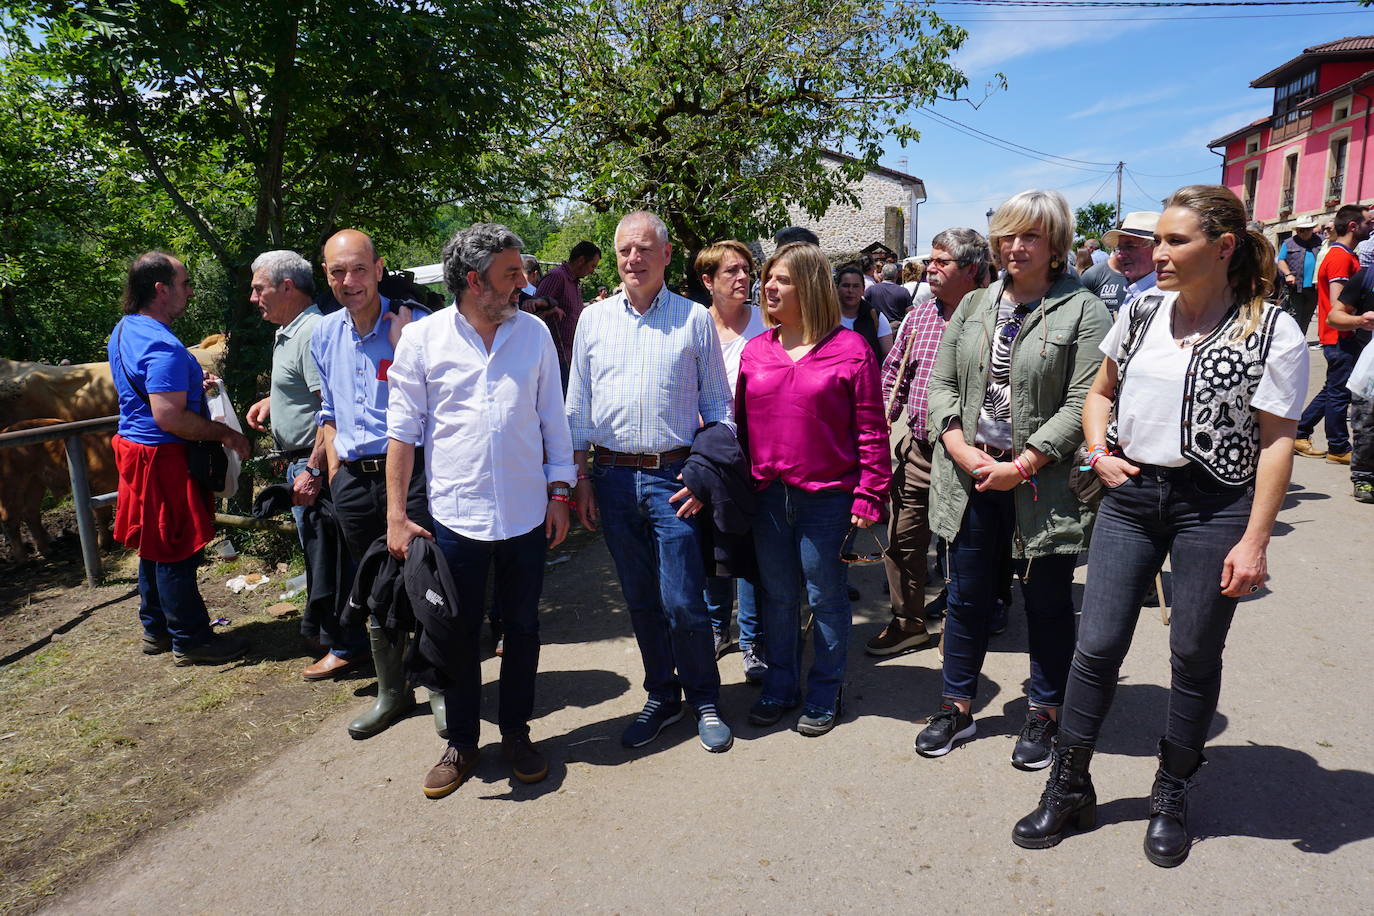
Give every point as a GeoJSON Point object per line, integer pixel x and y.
{"type": "Point", "coordinates": [958, 265]}
{"type": "Point", "coordinates": [1134, 241]}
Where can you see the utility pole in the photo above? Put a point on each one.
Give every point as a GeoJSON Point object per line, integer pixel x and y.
{"type": "Point", "coordinates": [1119, 167]}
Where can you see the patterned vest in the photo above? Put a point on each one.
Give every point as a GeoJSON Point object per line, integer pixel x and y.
{"type": "Point", "coordinates": [1218, 432]}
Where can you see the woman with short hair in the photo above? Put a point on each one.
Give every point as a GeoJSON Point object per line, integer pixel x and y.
{"type": "Point", "coordinates": [1005, 404]}
{"type": "Point", "coordinates": [858, 316]}
{"type": "Point", "coordinates": [808, 405]}
{"type": "Point", "coordinates": [1207, 356]}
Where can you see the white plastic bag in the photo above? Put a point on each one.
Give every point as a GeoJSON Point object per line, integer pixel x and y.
{"type": "Point", "coordinates": [1361, 382]}
{"type": "Point", "coordinates": [222, 411]}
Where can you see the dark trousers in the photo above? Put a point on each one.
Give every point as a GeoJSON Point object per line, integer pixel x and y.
{"type": "Point", "coordinates": [908, 530]}
{"type": "Point", "coordinates": [1181, 513]}
{"type": "Point", "coordinates": [360, 511]}
{"type": "Point", "coordinates": [519, 564]}
{"type": "Point", "coordinates": [170, 603]}
{"type": "Point", "coordinates": [327, 572]}
{"type": "Point", "coordinates": [1361, 440]}
{"type": "Point", "coordinates": [1301, 304]}
{"type": "Point", "coordinates": [975, 562]}
{"type": "Point", "coordinates": [1332, 403]}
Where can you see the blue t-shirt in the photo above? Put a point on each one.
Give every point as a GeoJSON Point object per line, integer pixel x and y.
{"type": "Point", "coordinates": [157, 362]}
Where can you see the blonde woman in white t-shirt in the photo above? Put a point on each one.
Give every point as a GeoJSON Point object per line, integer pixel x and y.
{"type": "Point", "coordinates": [1206, 383]}
{"type": "Point", "coordinates": [727, 270]}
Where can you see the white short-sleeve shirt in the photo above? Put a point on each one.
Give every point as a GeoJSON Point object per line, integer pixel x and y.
{"type": "Point", "coordinates": [731, 349]}
{"type": "Point", "coordinates": [1150, 412]}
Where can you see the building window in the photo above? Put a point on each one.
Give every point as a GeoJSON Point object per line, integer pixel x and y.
{"type": "Point", "coordinates": [1340, 111]}
{"type": "Point", "coordinates": [1251, 184]}
{"type": "Point", "coordinates": [1290, 183]}
{"type": "Point", "coordinates": [1289, 95]}
{"type": "Point", "coordinates": [1335, 184]}
{"type": "Point", "coordinates": [1252, 145]}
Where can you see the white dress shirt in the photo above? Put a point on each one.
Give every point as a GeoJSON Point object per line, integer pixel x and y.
{"type": "Point", "coordinates": [492, 424]}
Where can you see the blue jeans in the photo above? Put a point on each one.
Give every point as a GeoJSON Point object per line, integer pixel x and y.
{"type": "Point", "coordinates": [720, 601]}
{"type": "Point", "coordinates": [1333, 401]}
{"type": "Point", "coordinates": [976, 556]}
{"type": "Point", "coordinates": [1195, 521]}
{"type": "Point", "coordinates": [170, 602]}
{"type": "Point", "coordinates": [519, 563]}
{"type": "Point", "coordinates": [797, 536]}
{"type": "Point", "coordinates": [663, 577]}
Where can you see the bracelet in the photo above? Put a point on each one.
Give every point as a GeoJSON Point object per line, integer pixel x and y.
{"type": "Point", "coordinates": [582, 477]}
{"type": "Point", "coordinates": [560, 498]}
{"type": "Point", "coordinates": [1027, 477]}
{"type": "Point", "coordinates": [1095, 453]}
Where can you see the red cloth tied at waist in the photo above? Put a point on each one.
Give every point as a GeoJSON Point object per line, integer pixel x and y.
{"type": "Point", "coordinates": [162, 513]}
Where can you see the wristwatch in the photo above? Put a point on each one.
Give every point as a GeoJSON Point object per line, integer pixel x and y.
{"type": "Point", "coordinates": [313, 472]}
{"type": "Point", "coordinates": [559, 489]}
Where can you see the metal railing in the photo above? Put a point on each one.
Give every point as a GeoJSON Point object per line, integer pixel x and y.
{"type": "Point", "coordinates": [1335, 187]}
{"type": "Point", "coordinates": [1286, 201]}
{"type": "Point", "coordinates": [70, 434]}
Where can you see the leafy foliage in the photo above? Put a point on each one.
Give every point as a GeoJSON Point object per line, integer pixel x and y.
{"type": "Point", "coordinates": [1091, 221]}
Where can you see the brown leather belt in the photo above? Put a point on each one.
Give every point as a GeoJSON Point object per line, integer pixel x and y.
{"type": "Point", "coordinates": [651, 462]}
{"type": "Point", "coordinates": [1001, 454]}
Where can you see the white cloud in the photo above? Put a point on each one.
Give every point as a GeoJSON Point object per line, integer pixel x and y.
{"type": "Point", "coordinates": [993, 44]}
{"type": "Point", "coordinates": [1116, 102]}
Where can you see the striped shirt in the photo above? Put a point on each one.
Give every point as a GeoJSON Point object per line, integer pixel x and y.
{"type": "Point", "coordinates": [645, 383]}
{"type": "Point", "coordinates": [919, 333]}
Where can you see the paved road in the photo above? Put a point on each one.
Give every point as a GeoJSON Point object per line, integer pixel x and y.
{"type": "Point", "coordinates": [853, 821]}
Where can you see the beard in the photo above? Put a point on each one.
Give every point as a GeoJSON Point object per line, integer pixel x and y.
{"type": "Point", "coordinates": [497, 311]}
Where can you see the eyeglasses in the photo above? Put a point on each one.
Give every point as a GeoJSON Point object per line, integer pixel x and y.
{"type": "Point", "coordinates": [850, 556]}
{"type": "Point", "coordinates": [1142, 246]}
{"type": "Point", "coordinates": [941, 262]}
{"type": "Point", "coordinates": [1013, 325]}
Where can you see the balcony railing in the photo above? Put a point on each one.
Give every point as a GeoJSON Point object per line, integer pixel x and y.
{"type": "Point", "coordinates": [1335, 187]}
{"type": "Point", "coordinates": [1250, 207]}
{"type": "Point", "coordinates": [1286, 201]}
{"type": "Point", "coordinates": [1293, 128]}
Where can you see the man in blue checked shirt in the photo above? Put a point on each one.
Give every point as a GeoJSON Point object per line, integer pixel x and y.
{"type": "Point", "coordinates": [353, 348]}
{"type": "Point", "coordinates": [646, 373]}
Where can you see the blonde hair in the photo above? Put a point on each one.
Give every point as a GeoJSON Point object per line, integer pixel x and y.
{"type": "Point", "coordinates": [1250, 273]}
{"type": "Point", "coordinates": [1047, 211]}
{"type": "Point", "coordinates": [809, 272]}
{"type": "Point", "coordinates": [709, 259]}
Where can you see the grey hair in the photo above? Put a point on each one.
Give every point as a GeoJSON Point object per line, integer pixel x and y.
{"type": "Point", "coordinates": [644, 216]}
{"type": "Point", "coordinates": [891, 271]}
{"type": "Point", "coordinates": [966, 247]}
{"type": "Point", "coordinates": [474, 248]}
{"type": "Point", "coordinates": [284, 264]}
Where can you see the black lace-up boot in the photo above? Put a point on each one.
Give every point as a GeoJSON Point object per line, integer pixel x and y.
{"type": "Point", "coordinates": [1068, 797]}
{"type": "Point", "coordinates": [1166, 839]}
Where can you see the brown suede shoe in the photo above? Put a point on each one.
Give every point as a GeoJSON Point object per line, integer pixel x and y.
{"type": "Point", "coordinates": [524, 758]}
{"type": "Point", "coordinates": [331, 666]}
{"type": "Point", "coordinates": [1338, 457]}
{"type": "Point", "coordinates": [451, 771]}
{"type": "Point", "coordinates": [897, 638]}
{"type": "Point", "coordinates": [1305, 447]}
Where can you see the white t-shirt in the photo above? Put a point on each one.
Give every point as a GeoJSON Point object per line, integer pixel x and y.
{"type": "Point", "coordinates": [731, 349]}
{"type": "Point", "coordinates": [1150, 414]}
{"type": "Point", "coordinates": [884, 326]}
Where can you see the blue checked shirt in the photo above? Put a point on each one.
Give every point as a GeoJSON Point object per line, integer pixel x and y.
{"type": "Point", "coordinates": [645, 383]}
{"type": "Point", "coordinates": [353, 390]}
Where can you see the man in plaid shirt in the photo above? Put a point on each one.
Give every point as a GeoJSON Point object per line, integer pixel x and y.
{"type": "Point", "coordinates": [958, 265]}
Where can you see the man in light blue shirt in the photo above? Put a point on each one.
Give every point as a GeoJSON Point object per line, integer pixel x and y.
{"type": "Point", "coordinates": [353, 348]}
{"type": "Point", "coordinates": [647, 371]}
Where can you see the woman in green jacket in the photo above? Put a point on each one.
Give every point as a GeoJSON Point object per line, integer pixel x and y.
{"type": "Point", "coordinates": [1005, 407]}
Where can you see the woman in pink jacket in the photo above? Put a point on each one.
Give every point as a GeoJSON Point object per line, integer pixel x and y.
{"type": "Point", "coordinates": [809, 407]}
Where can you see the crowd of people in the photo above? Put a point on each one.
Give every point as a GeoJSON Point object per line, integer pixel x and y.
{"type": "Point", "coordinates": [734, 455]}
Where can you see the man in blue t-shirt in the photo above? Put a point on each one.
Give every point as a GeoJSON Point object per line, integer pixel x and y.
{"type": "Point", "coordinates": [162, 512]}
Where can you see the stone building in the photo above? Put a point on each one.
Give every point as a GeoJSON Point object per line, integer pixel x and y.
{"type": "Point", "coordinates": [887, 202]}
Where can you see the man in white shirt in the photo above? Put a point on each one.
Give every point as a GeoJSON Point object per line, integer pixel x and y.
{"type": "Point", "coordinates": [478, 387]}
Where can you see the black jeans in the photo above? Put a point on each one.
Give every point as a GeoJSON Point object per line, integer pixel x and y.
{"type": "Point", "coordinates": [1182, 513]}
{"type": "Point", "coordinates": [519, 563]}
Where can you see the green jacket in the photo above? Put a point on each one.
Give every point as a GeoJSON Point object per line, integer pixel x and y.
{"type": "Point", "coordinates": [1053, 362]}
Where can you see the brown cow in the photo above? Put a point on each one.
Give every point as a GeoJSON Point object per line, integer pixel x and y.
{"type": "Point", "coordinates": [28, 472]}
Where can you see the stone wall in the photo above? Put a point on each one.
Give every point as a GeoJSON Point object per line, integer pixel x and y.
{"type": "Point", "coordinates": [844, 228]}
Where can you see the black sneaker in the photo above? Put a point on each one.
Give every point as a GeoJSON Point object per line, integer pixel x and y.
{"type": "Point", "coordinates": [1033, 747]}
{"type": "Point", "coordinates": [156, 645]}
{"type": "Point", "coordinates": [998, 624]}
{"type": "Point", "coordinates": [217, 651]}
{"type": "Point", "coordinates": [765, 712]}
{"type": "Point", "coordinates": [936, 609]}
{"type": "Point", "coordinates": [944, 730]}
{"type": "Point", "coordinates": [656, 716]}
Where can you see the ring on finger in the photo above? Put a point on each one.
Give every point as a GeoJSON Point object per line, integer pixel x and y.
{"type": "Point", "coordinates": [1253, 589]}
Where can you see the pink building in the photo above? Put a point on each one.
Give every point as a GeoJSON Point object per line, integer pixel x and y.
{"type": "Point", "coordinates": [1309, 156]}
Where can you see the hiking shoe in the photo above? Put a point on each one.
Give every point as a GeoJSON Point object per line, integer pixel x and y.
{"type": "Point", "coordinates": [936, 609]}
{"type": "Point", "coordinates": [711, 729]}
{"type": "Point", "coordinates": [1338, 457]}
{"type": "Point", "coordinates": [524, 758]}
{"type": "Point", "coordinates": [816, 722]}
{"type": "Point", "coordinates": [156, 645]}
{"type": "Point", "coordinates": [767, 712]}
{"type": "Point", "coordinates": [754, 666]}
{"type": "Point", "coordinates": [652, 719]}
{"type": "Point", "coordinates": [1305, 447]}
{"type": "Point", "coordinates": [997, 625]}
{"type": "Point", "coordinates": [1364, 492]}
{"type": "Point", "coordinates": [895, 638]}
{"type": "Point", "coordinates": [943, 730]}
{"type": "Point", "coordinates": [450, 772]}
{"type": "Point", "coordinates": [723, 642]}
{"type": "Point", "coordinates": [216, 651]}
{"type": "Point", "coordinates": [1036, 741]}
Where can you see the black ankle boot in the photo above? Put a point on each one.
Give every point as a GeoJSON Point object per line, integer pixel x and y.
{"type": "Point", "coordinates": [1068, 796]}
{"type": "Point", "coordinates": [1166, 839]}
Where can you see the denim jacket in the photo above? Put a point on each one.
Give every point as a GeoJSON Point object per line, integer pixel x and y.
{"type": "Point", "coordinates": [1054, 359]}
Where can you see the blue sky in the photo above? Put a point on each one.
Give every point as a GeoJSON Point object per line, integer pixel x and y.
{"type": "Point", "coordinates": [1149, 93]}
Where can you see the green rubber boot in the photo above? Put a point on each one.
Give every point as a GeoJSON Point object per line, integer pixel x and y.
{"type": "Point", "coordinates": [436, 706]}
{"type": "Point", "coordinates": [395, 697]}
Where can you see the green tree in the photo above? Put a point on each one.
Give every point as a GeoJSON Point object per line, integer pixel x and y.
{"type": "Point", "coordinates": [272, 123]}
{"type": "Point", "coordinates": [1091, 221]}
{"type": "Point", "coordinates": [714, 112]}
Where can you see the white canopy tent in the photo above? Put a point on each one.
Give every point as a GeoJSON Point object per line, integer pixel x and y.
{"type": "Point", "coordinates": [430, 273]}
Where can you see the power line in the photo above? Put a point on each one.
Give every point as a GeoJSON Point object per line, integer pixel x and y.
{"type": "Point", "coordinates": [1024, 150]}
{"type": "Point", "coordinates": [1138, 4]}
{"type": "Point", "coordinates": [1210, 168]}
{"type": "Point", "coordinates": [1148, 195]}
